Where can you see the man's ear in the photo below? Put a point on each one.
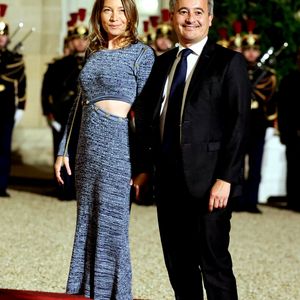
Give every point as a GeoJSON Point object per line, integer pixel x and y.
{"type": "Point", "coordinates": [171, 16]}
{"type": "Point", "coordinates": [210, 19]}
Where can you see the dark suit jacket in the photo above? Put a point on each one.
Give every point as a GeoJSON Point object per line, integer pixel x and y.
{"type": "Point", "coordinates": [214, 121]}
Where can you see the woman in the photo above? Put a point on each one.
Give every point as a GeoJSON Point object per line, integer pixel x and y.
{"type": "Point", "coordinates": [115, 72]}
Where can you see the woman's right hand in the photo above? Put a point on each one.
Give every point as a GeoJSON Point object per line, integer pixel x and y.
{"type": "Point", "coordinates": [60, 161]}
{"type": "Point", "coordinates": [140, 183]}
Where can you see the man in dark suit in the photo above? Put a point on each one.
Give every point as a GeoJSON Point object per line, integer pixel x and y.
{"type": "Point", "coordinates": [288, 98]}
{"type": "Point", "coordinates": [199, 160]}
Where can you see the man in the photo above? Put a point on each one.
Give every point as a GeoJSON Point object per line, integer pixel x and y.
{"type": "Point", "coordinates": [164, 35]}
{"type": "Point", "coordinates": [263, 114]}
{"type": "Point", "coordinates": [289, 126]}
{"type": "Point", "coordinates": [163, 40]}
{"type": "Point", "coordinates": [198, 160]}
{"type": "Point", "coordinates": [59, 92]}
{"type": "Point", "coordinates": [12, 99]}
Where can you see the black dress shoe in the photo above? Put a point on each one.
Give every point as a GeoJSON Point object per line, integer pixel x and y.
{"type": "Point", "coordinates": [4, 194]}
{"type": "Point", "coordinates": [253, 210]}
{"type": "Point", "coordinates": [295, 208]}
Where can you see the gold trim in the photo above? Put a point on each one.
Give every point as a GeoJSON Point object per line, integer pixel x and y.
{"type": "Point", "coordinates": [7, 78]}
{"type": "Point", "coordinates": [22, 99]}
{"type": "Point", "coordinates": [272, 117]}
{"type": "Point", "coordinates": [15, 65]}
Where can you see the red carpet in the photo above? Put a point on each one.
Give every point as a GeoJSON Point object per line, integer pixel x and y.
{"type": "Point", "coordinates": [33, 295]}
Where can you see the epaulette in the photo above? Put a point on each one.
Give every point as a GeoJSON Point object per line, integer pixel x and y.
{"type": "Point", "coordinates": [13, 57]}
{"type": "Point", "coordinates": [55, 59]}
{"type": "Point", "coordinates": [17, 55]}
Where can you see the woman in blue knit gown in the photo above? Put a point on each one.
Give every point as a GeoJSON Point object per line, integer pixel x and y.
{"type": "Point", "coordinates": [114, 74]}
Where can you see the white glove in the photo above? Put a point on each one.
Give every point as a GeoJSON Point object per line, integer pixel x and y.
{"type": "Point", "coordinates": [18, 115]}
{"type": "Point", "coordinates": [56, 126]}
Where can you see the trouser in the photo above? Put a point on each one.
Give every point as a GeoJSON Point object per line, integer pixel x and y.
{"type": "Point", "coordinates": [293, 169]}
{"type": "Point", "coordinates": [6, 130]}
{"type": "Point", "coordinates": [255, 156]}
{"type": "Point", "coordinates": [195, 243]}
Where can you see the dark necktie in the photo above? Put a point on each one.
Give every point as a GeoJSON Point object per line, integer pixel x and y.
{"type": "Point", "coordinates": [171, 133]}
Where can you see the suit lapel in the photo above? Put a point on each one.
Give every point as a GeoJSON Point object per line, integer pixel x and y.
{"type": "Point", "coordinates": [165, 63]}
{"type": "Point", "coordinates": [201, 67]}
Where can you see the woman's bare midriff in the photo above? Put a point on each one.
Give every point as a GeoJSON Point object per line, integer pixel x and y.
{"type": "Point", "coordinates": [114, 107]}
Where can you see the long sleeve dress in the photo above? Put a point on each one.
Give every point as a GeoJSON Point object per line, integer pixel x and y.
{"type": "Point", "coordinates": [100, 265]}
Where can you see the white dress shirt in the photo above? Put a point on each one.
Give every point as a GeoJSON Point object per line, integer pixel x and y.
{"type": "Point", "coordinates": [191, 63]}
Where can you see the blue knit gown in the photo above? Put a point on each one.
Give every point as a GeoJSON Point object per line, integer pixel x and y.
{"type": "Point", "coordinates": [100, 265]}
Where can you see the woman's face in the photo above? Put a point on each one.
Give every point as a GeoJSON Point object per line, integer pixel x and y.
{"type": "Point", "coordinates": [113, 18]}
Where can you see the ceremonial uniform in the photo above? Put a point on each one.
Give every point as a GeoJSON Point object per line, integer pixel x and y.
{"type": "Point", "coordinates": [263, 115]}
{"type": "Point", "coordinates": [160, 36]}
{"type": "Point", "coordinates": [12, 99]}
{"type": "Point", "coordinates": [59, 92]}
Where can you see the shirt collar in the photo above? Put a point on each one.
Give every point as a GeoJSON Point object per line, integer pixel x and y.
{"type": "Point", "coordinates": [197, 48]}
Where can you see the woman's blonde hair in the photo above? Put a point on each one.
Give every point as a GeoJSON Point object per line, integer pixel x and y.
{"type": "Point", "coordinates": [98, 37]}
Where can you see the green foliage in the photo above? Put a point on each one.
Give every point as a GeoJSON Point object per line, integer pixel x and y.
{"type": "Point", "coordinates": [277, 21]}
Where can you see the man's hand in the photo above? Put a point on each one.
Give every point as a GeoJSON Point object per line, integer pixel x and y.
{"type": "Point", "coordinates": [53, 123]}
{"type": "Point", "coordinates": [139, 183]}
{"type": "Point", "coordinates": [56, 125]}
{"type": "Point", "coordinates": [219, 195]}
{"type": "Point", "coordinates": [18, 115]}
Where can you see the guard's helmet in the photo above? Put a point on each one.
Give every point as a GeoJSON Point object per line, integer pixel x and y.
{"type": "Point", "coordinates": [4, 28]}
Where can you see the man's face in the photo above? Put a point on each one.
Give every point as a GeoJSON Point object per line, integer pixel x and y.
{"type": "Point", "coordinates": [163, 43]}
{"type": "Point", "coordinates": [79, 44]}
{"type": "Point", "coordinates": [191, 20]}
{"type": "Point", "coordinates": [251, 54]}
{"type": "Point", "coordinates": [3, 41]}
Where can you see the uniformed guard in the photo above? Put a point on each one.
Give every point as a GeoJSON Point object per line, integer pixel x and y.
{"type": "Point", "coordinates": [152, 31]}
{"type": "Point", "coordinates": [235, 42]}
{"type": "Point", "coordinates": [263, 114]}
{"type": "Point", "coordinates": [59, 89]}
{"type": "Point", "coordinates": [12, 98]}
{"type": "Point", "coordinates": [223, 37]}
{"type": "Point", "coordinates": [164, 35]}
{"type": "Point", "coordinates": [144, 36]}
{"type": "Point", "coordinates": [68, 45]}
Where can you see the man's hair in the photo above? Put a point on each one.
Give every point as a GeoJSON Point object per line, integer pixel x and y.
{"type": "Point", "coordinates": [209, 2]}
